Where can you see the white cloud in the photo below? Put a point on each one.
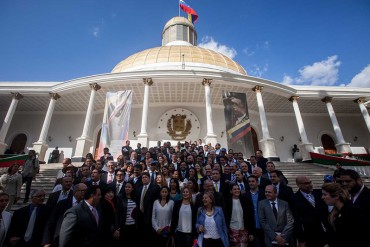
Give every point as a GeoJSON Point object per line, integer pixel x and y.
{"type": "Point", "coordinates": [248, 52]}
{"type": "Point", "coordinates": [95, 31]}
{"type": "Point", "coordinates": [258, 71]}
{"type": "Point", "coordinates": [209, 43]}
{"type": "Point", "coordinates": [323, 73]}
{"type": "Point", "coordinates": [287, 80]}
{"type": "Point", "coordinates": [266, 44]}
{"type": "Point", "coordinates": [362, 79]}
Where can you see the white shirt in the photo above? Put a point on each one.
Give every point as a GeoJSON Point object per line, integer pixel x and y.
{"type": "Point", "coordinates": [185, 219]}
{"type": "Point", "coordinates": [162, 216]}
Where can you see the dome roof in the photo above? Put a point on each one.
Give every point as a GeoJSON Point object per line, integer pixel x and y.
{"type": "Point", "coordinates": [178, 56]}
{"type": "Point", "coordinates": [178, 20]}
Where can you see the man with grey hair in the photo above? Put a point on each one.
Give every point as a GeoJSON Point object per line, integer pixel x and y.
{"type": "Point", "coordinates": [54, 223]}
{"type": "Point", "coordinates": [28, 223]}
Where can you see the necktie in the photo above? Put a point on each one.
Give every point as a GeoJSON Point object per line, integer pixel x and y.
{"type": "Point", "coordinates": [95, 213]}
{"type": "Point", "coordinates": [216, 186]}
{"type": "Point", "coordinates": [241, 186]}
{"type": "Point", "coordinates": [152, 177]}
{"type": "Point", "coordinates": [142, 199]}
{"type": "Point", "coordinates": [118, 188]}
{"type": "Point", "coordinates": [31, 224]}
{"type": "Point", "coordinates": [110, 179]}
{"type": "Point", "coordinates": [311, 200]}
{"type": "Point", "coordinates": [274, 210]}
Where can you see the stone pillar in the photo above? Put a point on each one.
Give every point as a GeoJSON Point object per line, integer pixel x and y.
{"type": "Point", "coordinates": [8, 120]}
{"type": "Point", "coordinates": [363, 110]}
{"type": "Point", "coordinates": [211, 137]}
{"type": "Point", "coordinates": [143, 136]}
{"type": "Point", "coordinates": [342, 146]}
{"type": "Point", "coordinates": [306, 147]}
{"type": "Point", "coordinates": [84, 142]}
{"type": "Point", "coordinates": [41, 146]}
{"type": "Point", "coordinates": [267, 143]}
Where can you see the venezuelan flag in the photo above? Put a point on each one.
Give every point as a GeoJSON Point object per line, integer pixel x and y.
{"type": "Point", "coordinates": [239, 131]}
{"type": "Point", "coordinates": [192, 15]}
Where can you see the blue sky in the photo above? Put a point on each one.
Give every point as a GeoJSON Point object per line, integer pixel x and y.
{"type": "Point", "coordinates": [303, 42]}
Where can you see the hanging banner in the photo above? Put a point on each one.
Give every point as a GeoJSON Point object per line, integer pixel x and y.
{"type": "Point", "coordinates": [238, 126]}
{"type": "Point", "coordinates": [116, 122]}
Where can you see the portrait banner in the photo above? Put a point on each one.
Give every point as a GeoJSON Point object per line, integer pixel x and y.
{"type": "Point", "coordinates": [116, 121]}
{"type": "Point", "coordinates": [238, 126]}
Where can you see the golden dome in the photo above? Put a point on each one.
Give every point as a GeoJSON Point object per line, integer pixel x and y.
{"type": "Point", "coordinates": [174, 56]}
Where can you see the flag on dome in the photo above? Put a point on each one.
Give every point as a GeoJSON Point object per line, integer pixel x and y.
{"type": "Point", "coordinates": [192, 15]}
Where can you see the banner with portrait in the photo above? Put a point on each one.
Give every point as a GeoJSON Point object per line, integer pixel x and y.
{"type": "Point", "coordinates": [238, 126]}
{"type": "Point", "coordinates": [116, 120]}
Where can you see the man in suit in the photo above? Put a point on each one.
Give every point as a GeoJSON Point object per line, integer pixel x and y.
{"type": "Point", "coordinates": [218, 184]}
{"type": "Point", "coordinates": [261, 161]}
{"type": "Point", "coordinates": [145, 197]}
{"type": "Point", "coordinates": [242, 182]}
{"type": "Point", "coordinates": [126, 150]}
{"type": "Point", "coordinates": [207, 175]}
{"type": "Point", "coordinates": [360, 194]}
{"type": "Point", "coordinates": [309, 212]}
{"type": "Point", "coordinates": [209, 187]}
{"type": "Point", "coordinates": [57, 196]}
{"type": "Point", "coordinates": [270, 166]}
{"type": "Point", "coordinates": [254, 195]}
{"type": "Point", "coordinates": [153, 171]}
{"type": "Point", "coordinates": [82, 225]}
{"type": "Point", "coordinates": [138, 169]}
{"type": "Point", "coordinates": [284, 192]}
{"type": "Point", "coordinates": [28, 223]}
{"type": "Point", "coordinates": [118, 185]}
{"type": "Point", "coordinates": [96, 181]}
{"type": "Point", "coordinates": [276, 219]}
{"type": "Point", "coordinates": [252, 164]}
{"type": "Point", "coordinates": [54, 223]}
{"type": "Point", "coordinates": [109, 176]}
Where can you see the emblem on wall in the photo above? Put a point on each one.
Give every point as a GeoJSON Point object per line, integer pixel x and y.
{"type": "Point", "coordinates": [178, 127]}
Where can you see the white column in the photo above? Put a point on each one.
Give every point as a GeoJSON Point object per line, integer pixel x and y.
{"type": "Point", "coordinates": [84, 141]}
{"type": "Point", "coordinates": [267, 143]}
{"type": "Point", "coordinates": [143, 136]}
{"type": "Point", "coordinates": [90, 110]}
{"type": "Point", "coordinates": [306, 147]}
{"type": "Point", "coordinates": [211, 137]}
{"type": "Point", "coordinates": [8, 120]}
{"type": "Point", "coordinates": [342, 146]}
{"type": "Point", "coordinates": [363, 110]}
{"type": "Point", "coordinates": [40, 146]}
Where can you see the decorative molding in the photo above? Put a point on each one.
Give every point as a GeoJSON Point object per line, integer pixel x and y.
{"type": "Point", "coordinates": [54, 96]}
{"type": "Point", "coordinates": [327, 99]}
{"type": "Point", "coordinates": [293, 98]}
{"type": "Point", "coordinates": [95, 86]}
{"type": "Point", "coordinates": [17, 96]}
{"type": "Point", "coordinates": [207, 82]}
{"type": "Point", "coordinates": [257, 88]}
{"type": "Point", "coordinates": [148, 81]}
{"type": "Point", "coordinates": [360, 100]}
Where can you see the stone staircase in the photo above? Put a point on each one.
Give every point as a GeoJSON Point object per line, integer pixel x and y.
{"type": "Point", "coordinates": [315, 172]}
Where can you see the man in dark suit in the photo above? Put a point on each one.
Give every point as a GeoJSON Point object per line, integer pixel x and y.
{"type": "Point", "coordinates": [309, 212]}
{"type": "Point", "coordinates": [82, 225]}
{"type": "Point", "coordinates": [28, 223]}
{"type": "Point", "coordinates": [54, 223]}
{"type": "Point", "coordinates": [242, 182]}
{"type": "Point", "coordinates": [276, 219]}
{"type": "Point", "coordinates": [209, 187]}
{"type": "Point", "coordinates": [109, 176]}
{"type": "Point", "coordinates": [207, 176]}
{"type": "Point", "coordinates": [57, 196]}
{"type": "Point", "coordinates": [261, 161]}
{"type": "Point", "coordinates": [95, 181]}
{"type": "Point", "coordinates": [360, 194]}
{"type": "Point", "coordinates": [254, 195]}
{"type": "Point", "coordinates": [138, 169]}
{"type": "Point", "coordinates": [153, 171]}
{"type": "Point", "coordinates": [284, 192]}
{"type": "Point", "coordinates": [145, 197]}
{"type": "Point", "coordinates": [218, 184]}
{"type": "Point", "coordinates": [119, 184]}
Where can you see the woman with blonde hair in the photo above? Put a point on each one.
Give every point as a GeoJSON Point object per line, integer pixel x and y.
{"type": "Point", "coordinates": [346, 219]}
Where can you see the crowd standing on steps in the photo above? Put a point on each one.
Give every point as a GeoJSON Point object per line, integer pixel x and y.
{"type": "Point", "coordinates": [190, 194]}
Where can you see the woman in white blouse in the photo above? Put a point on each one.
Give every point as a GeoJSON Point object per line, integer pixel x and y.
{"type": "Point", "coordinates": [162, 216]}
{"type": "Point", "coordinates": [12, 183]}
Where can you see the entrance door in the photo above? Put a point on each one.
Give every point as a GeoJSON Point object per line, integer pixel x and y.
{"type": "Point", "coordinates": [328, 144]}
{"type": "Point", "coordinates": [255, 140]}
{"type": "Point", "coordinates": [19, 143]}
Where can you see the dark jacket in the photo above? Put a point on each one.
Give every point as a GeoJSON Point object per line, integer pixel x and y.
{"type": "Point", "coordinates": [175, 216]}
{"type": "Point", "coordinates": [248, 213]}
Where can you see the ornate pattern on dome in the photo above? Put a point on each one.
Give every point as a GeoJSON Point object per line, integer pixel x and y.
{"type": "Point", "coordinates": [173, 54]}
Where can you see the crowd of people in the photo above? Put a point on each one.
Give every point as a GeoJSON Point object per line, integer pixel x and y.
{"type": "Point", "coordinates": [187, 195]}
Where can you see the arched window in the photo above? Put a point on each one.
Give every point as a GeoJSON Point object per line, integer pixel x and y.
{"type": "Point", "coordinates": [328, 144]}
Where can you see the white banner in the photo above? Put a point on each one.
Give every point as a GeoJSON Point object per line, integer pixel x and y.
{"type": "Point", "coordinates": [116, 121]}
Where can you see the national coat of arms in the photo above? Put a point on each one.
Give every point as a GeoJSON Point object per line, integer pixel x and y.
{"type": "Point", "coordinates": [177, 128]}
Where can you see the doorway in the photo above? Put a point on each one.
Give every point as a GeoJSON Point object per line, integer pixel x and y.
{"type": "Point", "coordinates": [328, 144]}
{"type": "Point", "coordinates": [255, 140]}
{"type": "Point", "coordinates": [19, 143]}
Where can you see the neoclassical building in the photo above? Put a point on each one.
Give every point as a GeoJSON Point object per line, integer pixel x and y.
{"type": "Point", "coordinates": [179, 77]}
